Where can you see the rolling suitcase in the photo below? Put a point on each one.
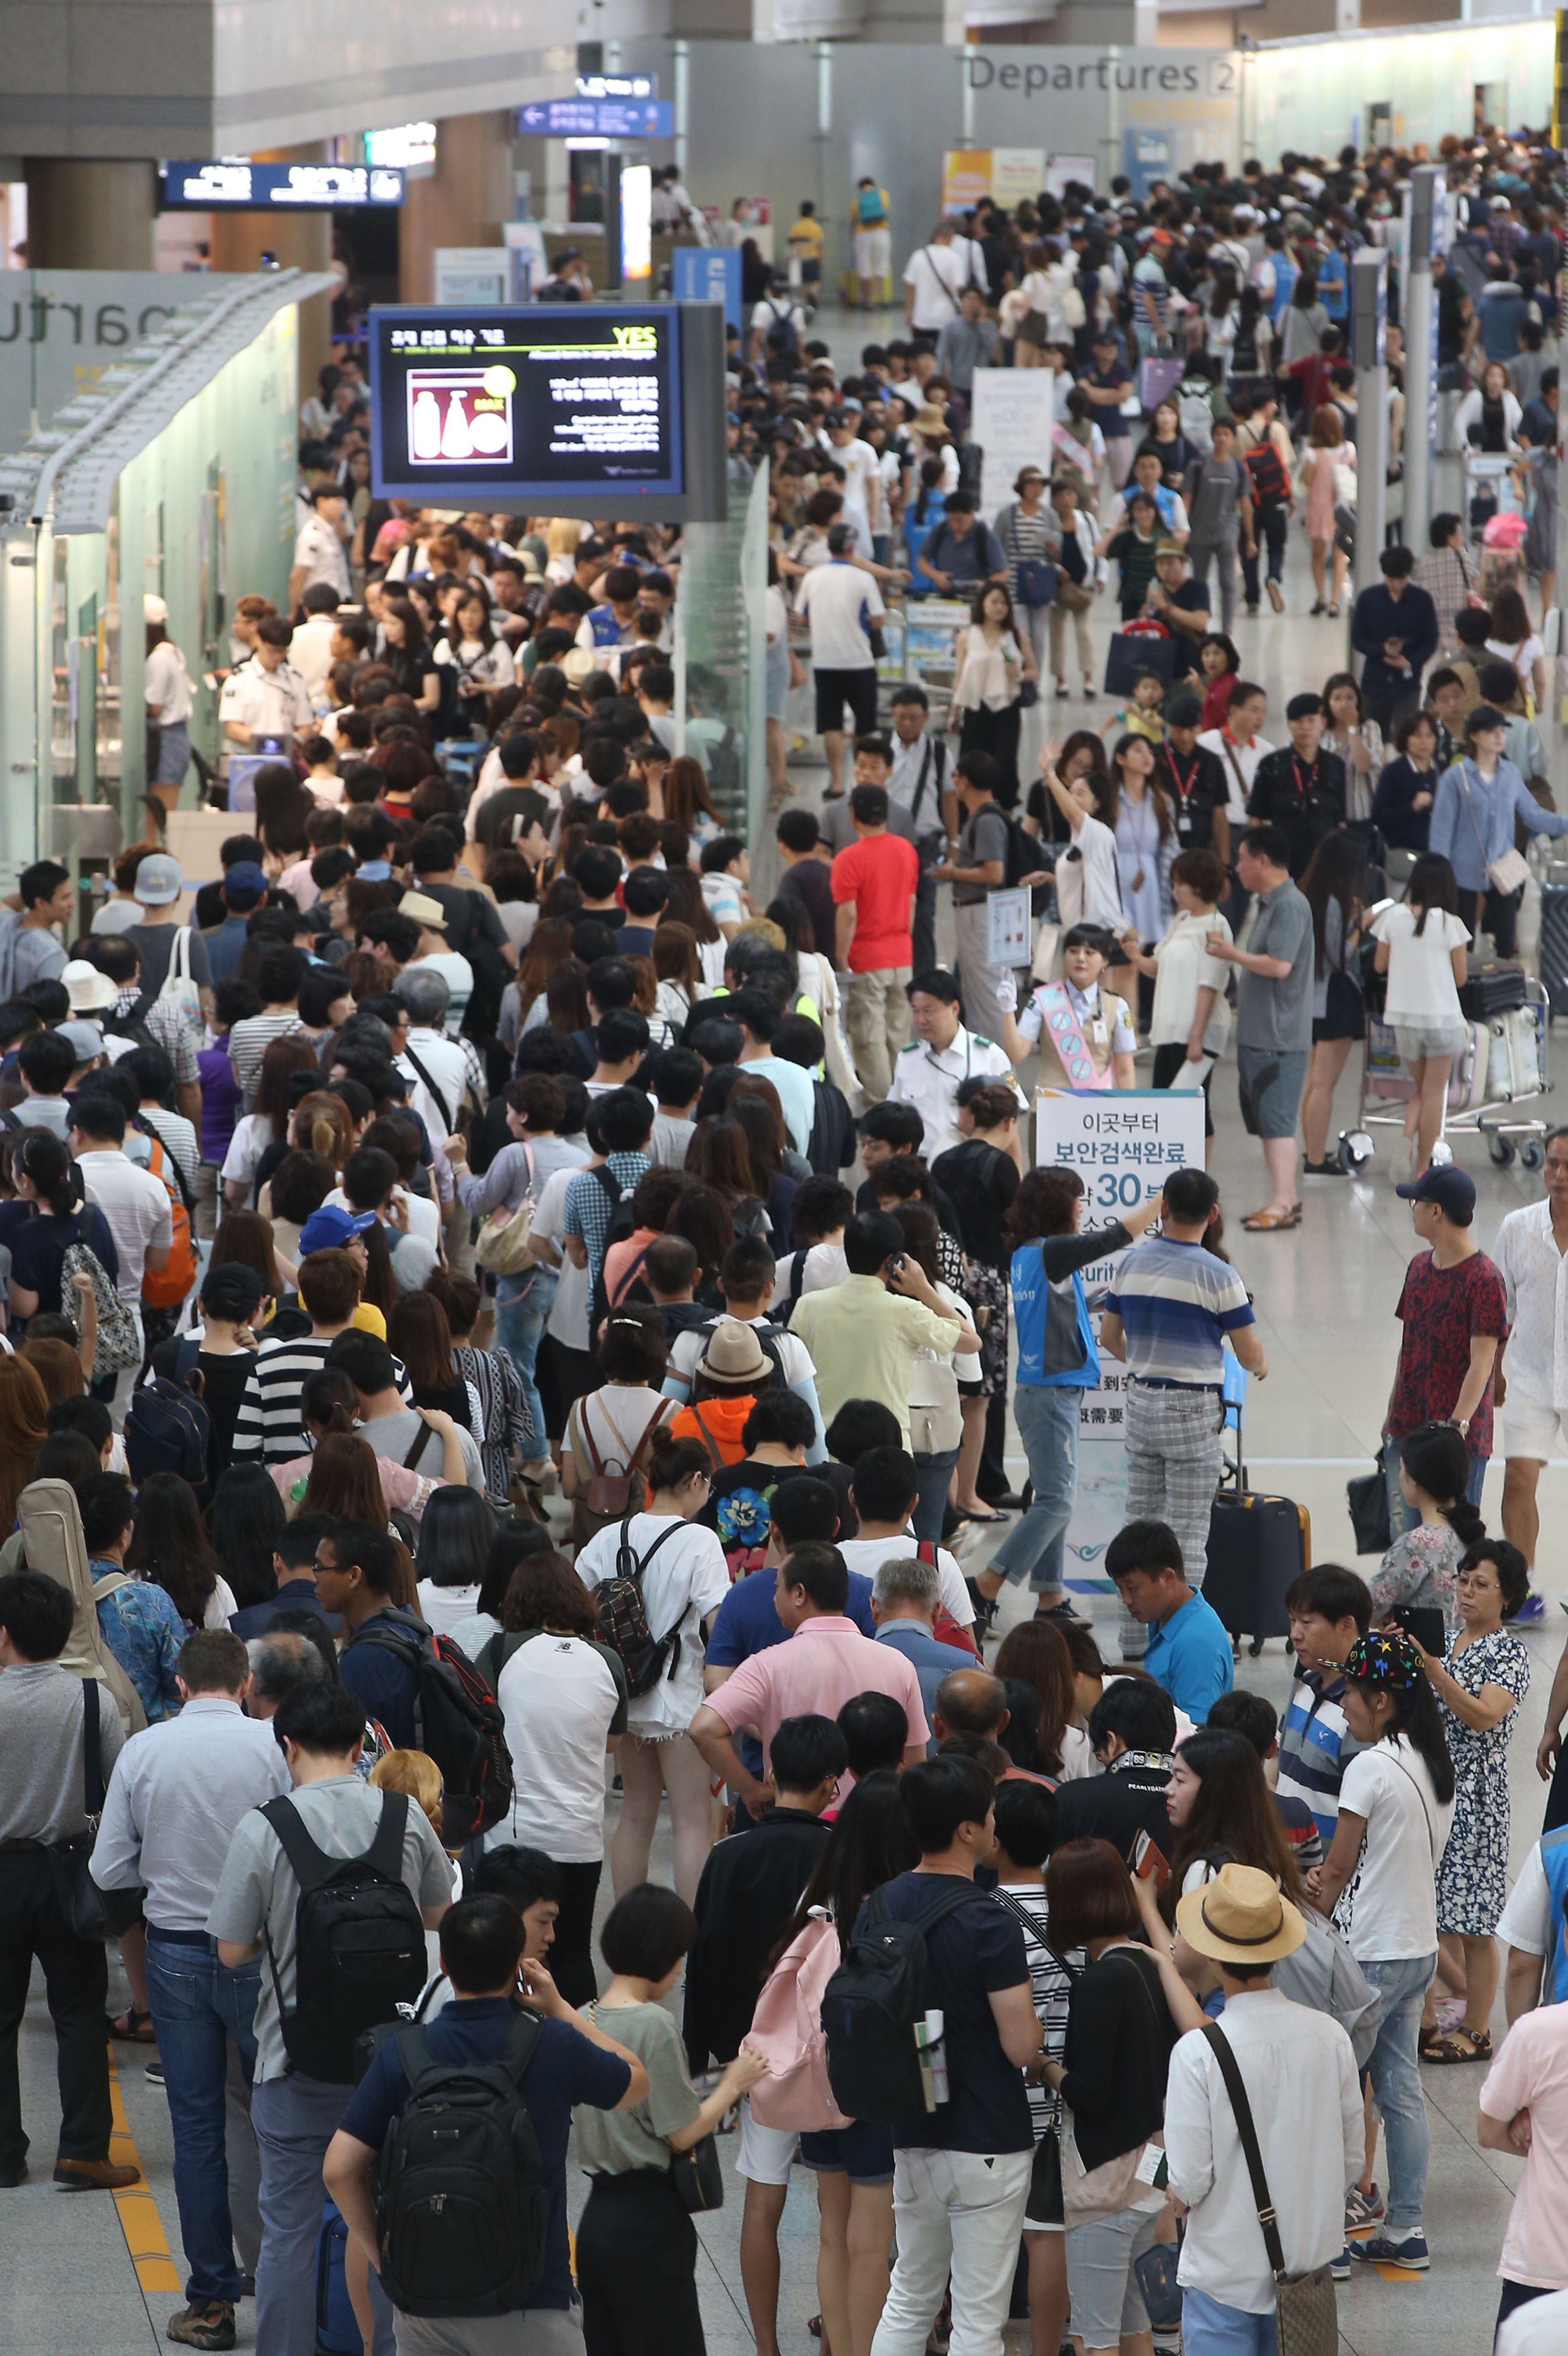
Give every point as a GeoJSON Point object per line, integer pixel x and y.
{"type": "Point", "coordinates": [1491, 989]}
{"type": "Point", "coordinates": [1257, 1545]}
{"type": "Point", "coordinates": [1552, 951]}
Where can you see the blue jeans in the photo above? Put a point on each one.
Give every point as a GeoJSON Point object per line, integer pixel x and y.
{"type": "Point", "coordinates": [520, 1324]}
{"type": "Point", "coordinates": [1402, 1517]}
{"type": "Point", "coordinates": [1396, 2073]}
{"type": "Point", "coordinates": [933, 1471]}
{"type": "Point", "coordinates": [197, 2007]}
{"type": "Point", "coordinates": [1209, 2328]}
{"type": "Point", "coordinates": [1047, 1419]}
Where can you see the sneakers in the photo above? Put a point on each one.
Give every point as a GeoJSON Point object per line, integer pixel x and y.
{"type": "Point", "coordinates": [1362, 2208]}
{"type": "Point", "coordinates": [211, 2326]}
{"type": "Point", "coordinates": [1276, 600]}
{"type": "Point", "coordinates": [1532, 1608]}
{"type": "Point", "coordinates": [154, 2073]}
{"type": "Point", "coordinates": [1340, 2267]}
{"type": "Point", "coordinates": [1411, 2255]}
{"type": "Point", "coordinates": [1062, 1610]}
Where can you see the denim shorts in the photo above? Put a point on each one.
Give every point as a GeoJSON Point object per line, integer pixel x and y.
{"type": "Point", "coordinates": [860, 2151]}
{"type": "Point", "coordinates": [1101, 2282]}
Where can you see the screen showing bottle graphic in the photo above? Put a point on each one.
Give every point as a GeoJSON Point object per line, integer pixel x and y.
{"type": "Point", "coordinates": [458, 415]}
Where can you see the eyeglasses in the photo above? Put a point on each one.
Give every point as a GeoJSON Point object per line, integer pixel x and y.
{"type": "Point", "coordinates": [1475, 1586]}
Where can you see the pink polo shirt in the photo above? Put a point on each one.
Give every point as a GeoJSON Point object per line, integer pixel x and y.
{"type": "Point", "coordinates": [824, 1665]}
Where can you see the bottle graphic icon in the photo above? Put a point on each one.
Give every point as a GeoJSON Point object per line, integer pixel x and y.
{"type": "Point", "coordinates": [456, 441]}
{"type": "Point", "coordinates": [426, 426]}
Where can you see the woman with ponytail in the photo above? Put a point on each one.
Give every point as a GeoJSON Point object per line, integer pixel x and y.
{"type": "Point", "coordinates": [329, 1401]}
{"type": "Point", "coordinates": [1396, 1806]}
{"type": "Point", "coordinates": [47, 1177]}
{"type": "Point", "coordinates": [1419, 1568]}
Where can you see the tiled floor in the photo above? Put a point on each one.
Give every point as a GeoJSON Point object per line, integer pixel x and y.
{"type": "Point", "coordinates": [1325, 1295]}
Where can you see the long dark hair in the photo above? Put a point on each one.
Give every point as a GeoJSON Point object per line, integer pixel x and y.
{"type": "Point", "coordinates": [869, 1842]}
{"type": "Point", "coordinates": [1335, 871]}
{"type": "Point", "coordinates": [170, 1547]}
{"type": "Point", "coordinates": [1233, 1811]}
{"type": "Point", "coordinates": [45, 1160]}
{"type": "Point", "coordinates": [1432, 884]}
{"type": "Point", "coordinates": [550, 948]}
{"type": "Point", "coordinates": [1111, 794]}
{"type": "Point", "coordinates": [281, 1059]}
{"type": "Point", "coordinates": [248, 1520]}
{"type": "Point", "coordinates": [418, 1333]}
{"type": "Point", "coordinates": [1035, 1653]}
{"type": "Point", "coordinates": [1418, 1716]}
{"type": "Point", "coordinates": [1436, 1459]}
{"type": "Point", "coordinates": [718, 1153]}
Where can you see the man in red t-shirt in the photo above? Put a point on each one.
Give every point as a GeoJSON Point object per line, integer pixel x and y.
{"type": "Point", "coordinates": [873, 891]}
{"type": "Point", "coordinates": [1454, 1309]}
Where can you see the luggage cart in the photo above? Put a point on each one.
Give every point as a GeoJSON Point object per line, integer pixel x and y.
{"type": "Point", "coordinates": [1501, 1069]}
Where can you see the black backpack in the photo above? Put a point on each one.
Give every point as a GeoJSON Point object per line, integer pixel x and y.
{"type": "Point", "coordinates": [167, 1429]}
{"type": "Point", "coordinates": [782, 335]}
{"type": "Point", "coordinates": [624, 1617]}
{"type": "Point", "coordinates": [463, 2211]}
{"type": "Point", "coordinates": [768, 1336]}
{"type": "Point", "coordinates": [621, 1229]}
{"type": "Point", "coordinates": [360, 1947]}
{"type": "Point", "coordinates": [874, 2003]}
{"type": "Point", "coordinates": [457, 1719]}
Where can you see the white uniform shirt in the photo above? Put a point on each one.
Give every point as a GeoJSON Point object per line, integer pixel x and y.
{"type": "Point", "coordinates": [310, 653]}
{"type": "Point", "coordinates": [928, 1078]}
{"type": "Point", "coordinates": [269, 703]}
{"type": "Point", "coordinates": [1535, 1277]}
{"type": "Point", "coordinates": [324, 553]}
{"type": "Point", "coordinates": [166, 685]}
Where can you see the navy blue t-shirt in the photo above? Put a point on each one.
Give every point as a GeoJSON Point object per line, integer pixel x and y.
{"type": "Point", "coordinates": [567, 2068]}
{"type": "Point", "coordinates": [747, 1623]}
{"type": "Point", "coordinates": [974, 1950]}
{"type": "Point", "coordinates": [383, 1677]}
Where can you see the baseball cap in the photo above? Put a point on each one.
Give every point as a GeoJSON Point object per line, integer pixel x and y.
{"type": "Point", "coordinates": [154, 609]}
{"type": "Point", "coordinates": [1452, 1189]}
{"type": "Point", "coordinates": [423, 910]}
{"type": "Point", "coordinates": [244, 876]}
{"type": "Point", "coordinates": [159, 881]}
{"type": "Point", "coordinates": [86, 1038]}
{"type": "Point", "coordinates": [86, 987]}
{"type": "Point", "coordinates": [331, 1227]}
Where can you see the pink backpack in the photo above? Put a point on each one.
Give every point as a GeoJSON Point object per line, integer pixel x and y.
{"type": "Point", "coordinates": [788, 2027]}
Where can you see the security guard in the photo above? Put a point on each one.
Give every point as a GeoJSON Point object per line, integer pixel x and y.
{"type": "Point", "coordinates": [943, 1054]}
{"type": "Point", "coordinates": [265, 696]}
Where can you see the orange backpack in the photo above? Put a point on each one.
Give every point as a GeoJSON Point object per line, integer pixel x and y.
{"type": "Point", "coordinates": [167, 1287]}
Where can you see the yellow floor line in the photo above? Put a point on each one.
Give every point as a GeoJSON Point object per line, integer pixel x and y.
{"type": "Point", "coordinates": [139, 2219]}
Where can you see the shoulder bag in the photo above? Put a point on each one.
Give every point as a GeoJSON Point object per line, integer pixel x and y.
{"type": "Point", "coordinates": [502, 1246]}
{"type": "Point", "coordinates": [79, 1896]}
{"type": "Point", "coordinates": [1307, 2320]}
{"type": "Point", "coordinates": [1035, 575]}
{"type": "Point", "coordinates": [1089, 2193]}
{"type": "Point", "coordinates": [1507, 874]}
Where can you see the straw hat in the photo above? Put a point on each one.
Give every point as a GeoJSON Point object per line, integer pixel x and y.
{"type": "Point", "coordinates": [1239, 1917]}
{"type": "Point", "coordinates": [929, 419]}
{"type": "Point", "coordinates": [734, 1356]}
{"type": "Point", "coordinates": [423, 910]}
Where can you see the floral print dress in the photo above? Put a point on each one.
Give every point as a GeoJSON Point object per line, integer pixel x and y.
{"type": "Point", "coordinates": [1472, 1879]}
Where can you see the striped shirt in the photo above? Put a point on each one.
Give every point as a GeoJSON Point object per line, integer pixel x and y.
{"type": "Point", "coordinates": [1051, 1981]}
{"type": "Point", "coordinates": [268, 1428]}
{"type": "Point", "coordinates": [249, 1042]}
{"type": "Point", "coordinates": [1176, 1302]}
{"type": "Point", "coordinates": [1315, 1747]}
{"type": "Point", "coordinates": [176, 1135]}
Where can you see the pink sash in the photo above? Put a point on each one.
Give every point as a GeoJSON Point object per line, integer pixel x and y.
{"type": "Point", "coordinates": [1066, 1035]}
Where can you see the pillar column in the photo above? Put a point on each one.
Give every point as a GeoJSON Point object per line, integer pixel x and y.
{"type": "Point", "coordinates": [466, 200]}
{"type": "Point", "coordinates": [89, 215]}
{"type": "Point", "coordinates": [301, 241]}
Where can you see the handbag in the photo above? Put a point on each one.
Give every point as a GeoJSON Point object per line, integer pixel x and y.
{"type": "Point", "coordinates": [1367, 1497]}
{"type": "Point", "coordinates": [1044, 2206]}
{"type": "Point", "coordinates": [81, 1902]}
{"type": "Point", "coordinates": [1089, 2193]}
{"type": "Point", "coordinates": [502, 1243]}
{"type": "Point", "coordinates": [1508, 874]}
{"type": "Point", "coordinates": [697, 2178]}
{"type": "Point", "coordinates": [1307, 2320]}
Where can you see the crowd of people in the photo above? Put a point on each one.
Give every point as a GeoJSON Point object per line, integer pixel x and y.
{"type": "Point", "coordinates": [456, 1419]}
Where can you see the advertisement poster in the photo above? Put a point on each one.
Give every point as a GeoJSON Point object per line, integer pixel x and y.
{"type": "Point", "coordinates": [965, 177]}
{"type": "Point", "coordinates": [1124, 1144]}
{"type": "Point", "coordinates": [1018, 174]}
{"type": "Point", "coordinates": [1011, 421]}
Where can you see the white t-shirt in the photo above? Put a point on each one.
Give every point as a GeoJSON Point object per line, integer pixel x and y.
{"type": "Point", "coordinates": [686, 1581]}
{"type": "Point", "coordinates": [561, 1700]}
{"type": "Point", "coordinates": [568, 1318]}
{"type": "Point", "coordinates": [220, 1606]}
{"type": "Point", "coordinates": [1393, 1901]}
{"type": "Point", "coordinates": [1185, 968]}
{"type": "Point", "coordinates": [862, 469]}
{"type": "Point", "coordinates": [1537, 2329]}
{"type": "Point", "coordinates": [836, 600]}
{"type": "Point", "coordinates": [1527, 1921]}
{"type": "Point", "coordinates": [441, 1608]}
{"type": "Point", "coordinates": [794, 1356]}
{"type": "Point", "coordinates": [458, 976]}
{"type": "Point", "coordinates": [868, 1555]}
{"type": "Point", "coordinates": [1421, 985]}
{"type": "Point", "coordinates": [1233, 757]}
{"type": "Point", "coordinates": [615, 1418]}
{"type": "Point", "coordinates": [938, 274]}
{"type": "Point", "coordinates": [167, 683]}
{"type": "Point", "coordinates": [825, 1265]}
{"type": "Point", "coordinates": [1088, 889]}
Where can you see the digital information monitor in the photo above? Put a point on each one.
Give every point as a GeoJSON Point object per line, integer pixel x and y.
{"type": "Point", "coordinates": [528, 408]}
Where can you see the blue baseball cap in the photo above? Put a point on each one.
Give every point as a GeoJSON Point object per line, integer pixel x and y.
{"type": "Point", "coordinates": [1452, 1189]}
{"type": "Point", "coordinates": [331, 1227]}
{"type": "Point", "coordinates": [244, 876]}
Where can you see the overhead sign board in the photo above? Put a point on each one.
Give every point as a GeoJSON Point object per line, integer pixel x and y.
{"type": "Point", "coordinates": [241, 187]}
{"type": "Point", "coordinates": [533, 406]}
{"type": "Point", "coordinates": [612, 85]}
{"type": "Point", "coordinates": [597, 118]}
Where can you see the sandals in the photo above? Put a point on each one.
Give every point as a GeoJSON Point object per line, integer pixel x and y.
{"type": "Point", "coordinates": [1269, 1222]}
{"type": "Point", "coordinates": [1455, 2045]}
{"type": "Point", "coordinates": [138, 2027]}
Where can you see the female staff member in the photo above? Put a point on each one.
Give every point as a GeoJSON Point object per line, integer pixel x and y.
{"type": "Point", "coordinates": [1397, 1804]}
{"type": "Point", "coordinates": [685, 1580]}
{"type": "Point", "coordinates": [165, 685]}
{"type": "Point", "coordinates": [1481, 1680]}
{"type": "Point", "coordinates": [636, 2246]}
{"type": "Point", "coordinates": [1057, 1362]}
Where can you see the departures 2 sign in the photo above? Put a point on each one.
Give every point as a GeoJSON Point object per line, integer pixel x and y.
{"type": "Point", "coordinates": [540, 401]}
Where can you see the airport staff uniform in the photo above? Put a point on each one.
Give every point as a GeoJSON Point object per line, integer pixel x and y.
{"type": "Point", "coordinates": [269, 703]}
{"type": "Point", "coordinates": [929, 1078]}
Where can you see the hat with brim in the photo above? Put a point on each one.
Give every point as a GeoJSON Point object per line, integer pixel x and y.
{"type": "Point", "coordinates": [1171, 548]}
{"type": "Point", "coordinates": [86, 988]}
{"type": "Point", "coordinates": [423, 910]}
{"type": "Point", "coordinates": [929, 419]}
{"type": "Point", "coordinates": [1239, 1917]}
{"type": "Point", "coordinates": [734, 1356]}
{"type": "Point", "coordinates": [577, 663]}
{"type": "Point", "coordinates": [331, 1227]}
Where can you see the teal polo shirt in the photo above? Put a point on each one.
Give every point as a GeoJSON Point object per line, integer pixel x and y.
{"type": "Point", "coordinates": [1190, 1655]}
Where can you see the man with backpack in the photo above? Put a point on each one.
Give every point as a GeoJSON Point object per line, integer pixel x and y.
{"type": "Point", "coordinates": [135, 1206]}
{"type": "Point", "coordinates": [929, 1942]}
{"type": "Point", "coordinates": [469, 2117]}
{"type": "Point", "coordinates": [1267, 454]}
{"type": "Point", "coordinates": [746, 1275]}
{"type": "Point", "coordinates": [978, 867]}
{"type": "Point", "coordinates": [391, 1426]}
{"type": "Point", "coordinates": [335, 1886]}
{"type": "Point", "coordinates": [355, 1567]}
{"type": "Point", "coordinates": [599, 1199]}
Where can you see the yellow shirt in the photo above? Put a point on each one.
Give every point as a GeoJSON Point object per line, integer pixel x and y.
{"type": "Point", "coordinates": [369, 1320]}
{"type": "Point", "coordinates": [1140, 722]}
{"type": "Point", "coordinates": [806, 239]}
{"type": "Point", "coordinates": [862, 1340]}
